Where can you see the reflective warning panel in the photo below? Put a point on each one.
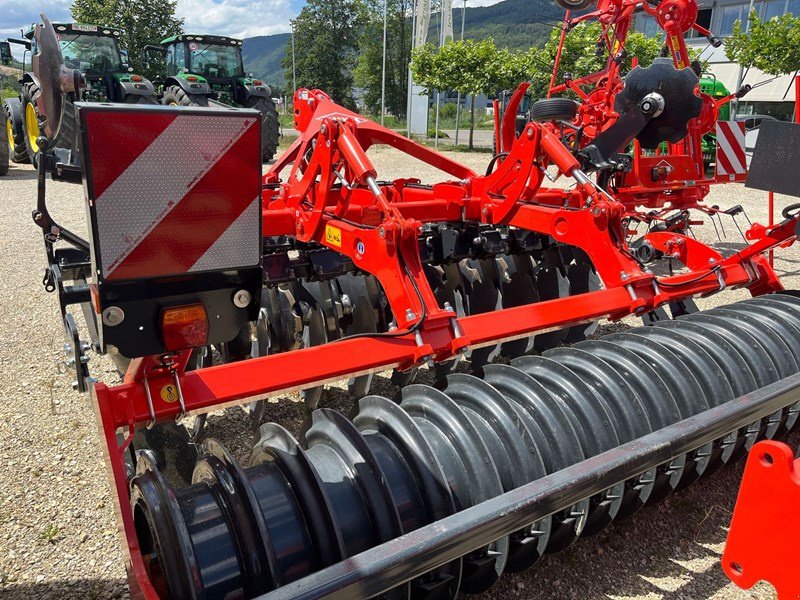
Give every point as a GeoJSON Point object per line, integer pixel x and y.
{"type": "Point", "coordinates": [172, 190]}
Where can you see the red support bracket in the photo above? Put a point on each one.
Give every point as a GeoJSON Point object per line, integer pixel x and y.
{"type": "Point", "coordinates": [762, 542]}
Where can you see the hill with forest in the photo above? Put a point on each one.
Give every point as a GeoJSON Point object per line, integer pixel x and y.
{"type": "Point", "coordinates": [515, 24]}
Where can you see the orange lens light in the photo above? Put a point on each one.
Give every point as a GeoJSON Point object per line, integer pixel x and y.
{"type": "Point", "coordinates": [191, 78]}
{"type": "Point", "coordinates": [137, 78]}
{"type": "Point", "coordinates": [257, 82]}
{"type": "Point", "coordinates": [184, 327]}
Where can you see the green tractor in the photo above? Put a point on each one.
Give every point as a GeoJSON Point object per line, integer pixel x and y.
{"type": "Point", "coordinates": [92, 49]}
{"type": "Point", "coordinates": [714, 88]}
{"type": "Point", "coordinates": [199, 70]}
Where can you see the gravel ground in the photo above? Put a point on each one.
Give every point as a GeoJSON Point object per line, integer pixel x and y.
{"type": "Point", "coordinates": [58, 535]}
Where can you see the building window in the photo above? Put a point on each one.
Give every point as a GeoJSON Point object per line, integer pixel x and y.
{"type": "Point", "coordinates": [648, 26]}
{"type": "Point", "coordinates": [771, 8]}
{"type": "Point", "coordinates": [704, 20]}
{"type": "Point", "coordinates": [731, 14]}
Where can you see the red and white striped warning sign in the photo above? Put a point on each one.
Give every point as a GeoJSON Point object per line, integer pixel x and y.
{"type": "Point", "coordinates": [731, 158]}
{"type": "Point", "coordinates": [172, 193]}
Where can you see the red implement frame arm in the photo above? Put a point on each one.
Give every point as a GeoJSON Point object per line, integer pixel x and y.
{"type": "Point", "coordinates": [677, 177]}
{"type": "Point", "coordinates": [762, 542]}
{"type": "Point", "coordinates": [332, 198]}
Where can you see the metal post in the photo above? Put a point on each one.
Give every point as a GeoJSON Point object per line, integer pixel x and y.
{"type": "Point", "coordinates": [294, 72]}
{"type": "Point", "coordinates": [458, 100]}
{"type": "Point", "coordinates": [438, 97]}
{"type": "Point", "coordinates": [740, 77]}
{"type": "Point", "coordinates": [383, 67]}
{"type": "Point", "coordinates": [410, 78]}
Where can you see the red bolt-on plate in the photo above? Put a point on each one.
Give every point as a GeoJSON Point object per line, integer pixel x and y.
{"type": "Point", "coordinates": [764, 540]}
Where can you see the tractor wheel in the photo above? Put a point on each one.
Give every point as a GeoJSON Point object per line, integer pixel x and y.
{"type": "Point", "coordinates": [574, 4]}
{"type": "Point", "coordinates": [31, 121]}
{"type": "Point", "coordinates": [270, 127]}
{"type": "Point", "coordinates": [554, 109]}
{"type": "Point", "coordinates": [175, 96]}
{"type": "Point", "coordinates": [18, 153]}
{"type": "Point", "coordinates": [4, 150]}
{"type": "Point", "coordinates": [137, 99]}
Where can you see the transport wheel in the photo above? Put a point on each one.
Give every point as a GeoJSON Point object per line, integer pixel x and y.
{"type": "Point", "coordinates": [175, 96]}
{"type": "Point", "coordinates": [270, 127]}
{"type": "Point", "coordinates": [31, 121]}
{"type": "Point", "coordinates": [5, 149]}
{"type": "Point", "coordinates": [554, 109]}
{"type": "Point", "coordinates": [18, 153]}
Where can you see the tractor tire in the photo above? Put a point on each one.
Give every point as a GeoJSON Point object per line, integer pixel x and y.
{"type": "Point", "coordinates": [5, 149]}
{"type": "Point", "coordinates": [18, 153]}
{"type": "Point", "coordinates": [270, 127]}
{"type": "Point", "coordinates": [136, 99]}
{"type": "Point", "coordinates": [554, 109]}
{"type": "Point", "coordinates": [32, 121]}
{"type": "Point", "coordinates": [175, 96]}
{"type": "Point", "coordinates": [574, 5]}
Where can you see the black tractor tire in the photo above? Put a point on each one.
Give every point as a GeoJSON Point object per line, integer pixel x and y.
{"type": "Point", "coordinates": [5, 148]}
{"type": "Point", "coordinates": [554, 109]}
{"type": "Point", "coordinates": [574, 5]}
{"type": "Point", "coordinates": [174, 95]}
{"type": "Point", "coordinates": [270, 126]}
{"type": "Point", "coordinates": [18, 153]}
{"type": "Point", "coordinates": [137, 99]}
{"type": "Point", "coordinates": [32, 121]}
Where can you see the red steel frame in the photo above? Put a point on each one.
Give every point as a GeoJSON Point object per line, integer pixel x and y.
{"type": "Point", "coordinates": [686, 184]}
{"type": "Point", "coordinates": [377, 226]}
{"type": "Point", "coordinates": [762, 542]}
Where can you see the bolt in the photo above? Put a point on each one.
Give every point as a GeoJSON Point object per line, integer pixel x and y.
{"type": "Point", "coordinates": [382, 232]}
{"type": "Point", "coordinates": [242, 298]}
{"type": "Point", "coordinates": [323, 129]}
{"type": "Point", "coordinates": [448, 307]}
{"type": "Point", "coordinates": [712, 260]}
{"type": "Point", "coordinates": [410, 316]}
{"type": "Point", "coordinates": [623, 275]}
{"type": "Point", "coordinates": [113, 315]}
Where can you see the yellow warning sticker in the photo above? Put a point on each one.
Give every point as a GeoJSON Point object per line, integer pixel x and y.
{"type": "Point", "coordinates": [333, 235]}
{"type": "Point", "coordinates": [169, 393]}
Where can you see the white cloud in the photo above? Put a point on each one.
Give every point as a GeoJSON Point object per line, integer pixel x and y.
{"type": "Point", "coordinates": [236, 18]}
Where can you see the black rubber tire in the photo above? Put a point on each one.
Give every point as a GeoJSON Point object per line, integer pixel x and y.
{"type": "Point", "coordinates": [30, 94]}
{"type": "Point", "coordinates": [18, 153]}
{"type": "Point", "coordinates": [175, 95]}
{"type": "Point", "coordinates": [554, 109]}
{"type": "Point", "coordinates": [270, 126]}
{"type": "Point", "coordinates": [574, 5]}
{"type": "Point", "coordinates": [4, 148]}
{"type": "Point", "coordinates": [137, 99]}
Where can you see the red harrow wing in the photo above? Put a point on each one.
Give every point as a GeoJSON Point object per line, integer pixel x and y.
{"type": "Point", "coordinates": [447, 487]}
{"type": "Point", "coordinates": [664, 175]}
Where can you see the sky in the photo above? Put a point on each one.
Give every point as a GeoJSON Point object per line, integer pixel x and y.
{"type": "Point", "coordinates": [235, 18]}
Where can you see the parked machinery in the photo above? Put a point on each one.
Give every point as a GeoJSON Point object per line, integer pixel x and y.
{"type": "Point", "coordinates": [94, 52]}
{"type": "Point", "coordinates": [660, 178]}
{"type": "Point", "coordinates": [208, 69]}
{"type": "Point", "coordinates": [333, 273]}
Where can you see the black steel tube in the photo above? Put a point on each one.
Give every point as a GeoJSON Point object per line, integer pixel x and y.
{"type": "Point", "coordinates": [393, 563]}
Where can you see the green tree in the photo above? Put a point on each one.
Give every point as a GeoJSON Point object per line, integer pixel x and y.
{"type": "Point", "coordinates": [771, 46]}
{"type": "Point", "coordinates": [326, 36]}
{"type": "Point", "coordinates": [398, 54]}
{"type": "Point", "coordinates": [468, 67]}
{"type": "Point", "coordinates": [141, 22]}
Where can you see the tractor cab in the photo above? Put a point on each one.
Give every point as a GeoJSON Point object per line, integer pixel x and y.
{"type": "Point", "coordinates": [203, 70]}
{"type": "Point", "coordinates": [94, 50]}
{"type": "Point", "coordinates": [214, 62]}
